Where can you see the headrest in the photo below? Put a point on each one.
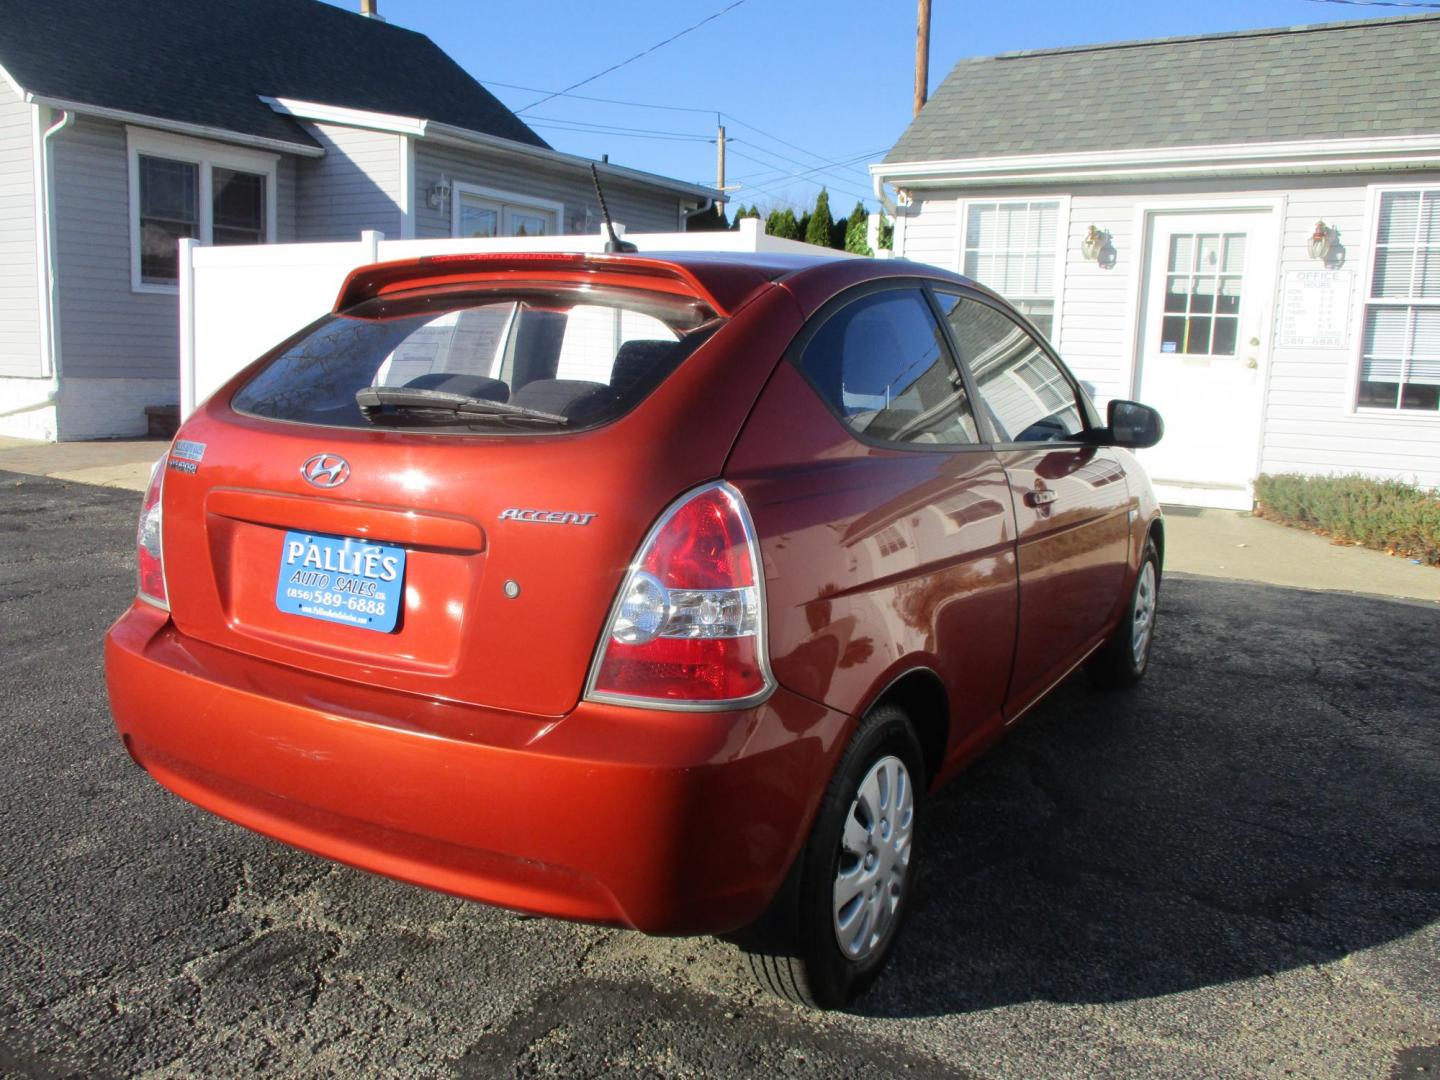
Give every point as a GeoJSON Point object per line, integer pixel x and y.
{"type": "Point", "coordinates": [456, 382]}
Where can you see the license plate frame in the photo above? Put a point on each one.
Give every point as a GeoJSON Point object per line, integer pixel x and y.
{"type": "Point", "coordinates": [341, 579]}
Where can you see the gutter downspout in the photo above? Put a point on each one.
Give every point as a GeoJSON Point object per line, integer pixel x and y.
{"type": "Point", "coordinates": [49, 292]}
{"type": "Point", "coordinates": [877, 185]}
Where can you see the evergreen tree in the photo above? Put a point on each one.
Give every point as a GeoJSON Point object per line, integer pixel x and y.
{"type": "Point", "coordinates": [789, 228]}
{"type": "Point", "coordinates": [856, 226]}
{"type": "Point", "coordinates": [819, 223]}
{"type": "Point", "coordinates": [802, 225]}
{"type": "Point", "coordinates": [887, 233]}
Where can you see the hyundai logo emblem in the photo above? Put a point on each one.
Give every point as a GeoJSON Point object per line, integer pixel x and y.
{"type": "Point", "coordinates": [326, 470]}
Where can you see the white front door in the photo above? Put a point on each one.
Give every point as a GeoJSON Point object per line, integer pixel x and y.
{"type": "Point", "coordinates": [1209, 294]}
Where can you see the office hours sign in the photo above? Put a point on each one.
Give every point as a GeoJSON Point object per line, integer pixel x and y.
{"type": "Point", "coordinates": [1315, 309]}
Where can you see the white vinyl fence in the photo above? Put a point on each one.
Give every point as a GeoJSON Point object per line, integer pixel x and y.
{"type": "Point", "coordinates": [237, 302]}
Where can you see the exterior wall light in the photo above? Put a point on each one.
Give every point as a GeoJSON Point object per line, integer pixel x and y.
{"type": "Point", "coordinates": [1322, 240]}
{"type": "Point", "coordinates": [1098, 248]}
{"type": "Point", "coordinates": [439, 194]}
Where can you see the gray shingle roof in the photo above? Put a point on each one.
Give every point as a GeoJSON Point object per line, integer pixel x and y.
{"type": "Point", "coordinates": [1370, 77]}
{"type": "Point", "coordinates": [206, 61]}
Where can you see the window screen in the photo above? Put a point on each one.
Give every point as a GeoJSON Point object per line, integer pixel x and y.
{"type": "Point", "coordinates": [1011, 246]}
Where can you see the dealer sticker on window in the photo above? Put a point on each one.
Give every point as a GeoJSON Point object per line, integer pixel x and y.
{"type": "Point", "coordinates": [341, 579]}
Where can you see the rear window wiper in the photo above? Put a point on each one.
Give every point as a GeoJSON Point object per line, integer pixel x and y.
{"type": "Point", "coordinates": [398, 406]}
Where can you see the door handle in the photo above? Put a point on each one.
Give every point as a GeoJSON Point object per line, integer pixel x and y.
{"type": "Point", "coordinates": [1041, 497]}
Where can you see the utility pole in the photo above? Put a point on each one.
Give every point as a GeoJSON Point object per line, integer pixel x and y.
{"type": "Point", "coordinates": [720, 157]}
{"type": "Point", "coordinates": [922, 55]}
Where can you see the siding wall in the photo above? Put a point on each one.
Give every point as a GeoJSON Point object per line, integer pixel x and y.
{"type": "Point", "coordinates": [1309, 426]}
{"type": "Point", "coordinates": [106, 330]}
{"type": "Point", "coordinates": [634, 207]}
{"type": "Point", "coordinates": [355, 186]}
{"type": "Point", "coordinates": [19, 285]}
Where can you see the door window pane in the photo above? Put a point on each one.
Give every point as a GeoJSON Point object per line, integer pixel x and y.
{"type": "Point", "coordinates": [883, 366]}
{"type": "Point", "coordinates": [1024, 392]}
{"type": "Point", "coordinates": [169, 212]}
{"type": "Point", "coordinates": [239, 207]}
{"type": "Point", "coordinates": [1202, 293]}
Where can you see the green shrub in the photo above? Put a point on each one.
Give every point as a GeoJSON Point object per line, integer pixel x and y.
{"type": "Point", "coordinates": [1388, 515]}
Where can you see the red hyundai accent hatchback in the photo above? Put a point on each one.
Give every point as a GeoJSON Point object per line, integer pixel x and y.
{"type": "Point", "coordinates": [652, 590]}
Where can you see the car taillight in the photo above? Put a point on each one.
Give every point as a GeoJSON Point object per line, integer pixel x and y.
{"type": "Point", "coordinates": [688, 628]}
{"type": "Point", "coordinates": [150, 551]}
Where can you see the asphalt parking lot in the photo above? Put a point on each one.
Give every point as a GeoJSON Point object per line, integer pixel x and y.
{"type": "Point", "coordinates": [1234, 871]}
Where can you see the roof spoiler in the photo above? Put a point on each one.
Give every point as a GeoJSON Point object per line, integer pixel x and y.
{"type": "Point", "coordinates": [498, 268]}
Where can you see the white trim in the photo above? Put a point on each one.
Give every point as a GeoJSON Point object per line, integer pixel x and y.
{"type": "Point", "coordinates": [336, 114]}
{"type": "Point", "coordinates": [9, 80]}
{"type": "Point", "coordinates": [205, 156]}
{"type": "Point", "coordinates": [1153, 162]}
{"type": "Point", "coordinates": [508, 200]}
{"type": "Point", "coordinates": [179, 127]}
{"type": "Point", "coordinates": [448, 133]}
{"type": "Point", "coordinates": [407, 187]}
{"type": "Point", "coordinates": [1361, 301]}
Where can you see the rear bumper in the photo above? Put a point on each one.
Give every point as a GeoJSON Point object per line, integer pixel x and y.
{"type": "Point", "coordinates": [665, 822]}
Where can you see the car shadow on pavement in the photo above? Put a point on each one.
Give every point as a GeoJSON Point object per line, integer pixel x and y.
{"type": "Point", "coordinates": [1265, 800]}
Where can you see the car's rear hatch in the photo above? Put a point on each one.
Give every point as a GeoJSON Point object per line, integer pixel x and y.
{"type": "Point", "coordinates": [513, 540]}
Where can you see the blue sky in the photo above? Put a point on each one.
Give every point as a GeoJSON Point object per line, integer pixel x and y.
{"type": "Point", "coordinates": [804, 86]}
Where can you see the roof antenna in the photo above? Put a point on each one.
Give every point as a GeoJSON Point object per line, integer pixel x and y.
{"type": "Point", "coordinates": [614, 244]}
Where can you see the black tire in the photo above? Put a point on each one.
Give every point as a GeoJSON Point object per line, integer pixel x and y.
{"type": "Point", "coordinates": [1116, 666]}
{"type": "Point", "coordinates": [795, 952]}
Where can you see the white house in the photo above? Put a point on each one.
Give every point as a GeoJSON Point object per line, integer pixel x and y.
{"type": "Point", "coordinates": [128, 125]}
{"type": "Point", "coordinates": [1242, 230]}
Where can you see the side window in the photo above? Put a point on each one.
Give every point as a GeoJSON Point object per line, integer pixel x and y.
{"type": "Point", "coordinates": [882, 364]}
{"type": "Point", "coordinates": [1025, 394]}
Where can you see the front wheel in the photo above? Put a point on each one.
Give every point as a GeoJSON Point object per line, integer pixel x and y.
{"type": "Point", "coordinates": [856, 872]}
{"type": "Point", "coordinates": [1122, 660]}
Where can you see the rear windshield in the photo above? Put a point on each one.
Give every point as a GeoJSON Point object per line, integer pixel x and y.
{"type": "Point", "coordinates": [525, 360]}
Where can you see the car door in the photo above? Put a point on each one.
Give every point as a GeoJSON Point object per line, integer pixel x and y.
{"type": "Point", "coordinates": [885, 522]}
{"type": "Point", "coordinates": [1072, 504]}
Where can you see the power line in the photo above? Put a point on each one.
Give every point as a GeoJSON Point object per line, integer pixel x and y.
{"type": "Point", "coordinates": [1379, 3]}
{"type": "Point", "coordinates": [841, 187]}
{"type": "Point", "coordinates": [618, 128]}
{"type": "Point", "coordinates": [774, 138]}
{"type": "Point", "coordinates": [805, 172]}
{"type": "Point", "coordinates": [637, 56]}
{"type": "Point", "coordinates": [607, 101]}
{"type": "Point", "coordinates": [849, 163]}
{"type": "Point", "coordinates": [621, 134]}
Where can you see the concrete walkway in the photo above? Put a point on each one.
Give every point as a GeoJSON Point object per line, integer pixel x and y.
{"type": "Point", "coordinates": [122, 463]}
{"type": "Point", "coordinates": [1229, 544]}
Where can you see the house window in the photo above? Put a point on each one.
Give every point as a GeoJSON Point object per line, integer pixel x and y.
{"type": "Point", "coordinates": [484, 213]}
{"type": "Point", "coordinates": [169, 211]}
{"type": "Point", "coordinates": [1012, 247]}
{"type": "Point", "coordinates": [191, 189]}
{"type": "Point", "coordinates": [238, 207]}
{"type": "Point", "coordinates": [1400, 347]}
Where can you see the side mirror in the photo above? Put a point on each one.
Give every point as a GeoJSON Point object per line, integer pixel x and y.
{"type": "Point", "coordinates": [1133, 425]}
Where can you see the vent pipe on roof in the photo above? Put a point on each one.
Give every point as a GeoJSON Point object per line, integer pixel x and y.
{"type": "Point", "coordinates": [371, 9]}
